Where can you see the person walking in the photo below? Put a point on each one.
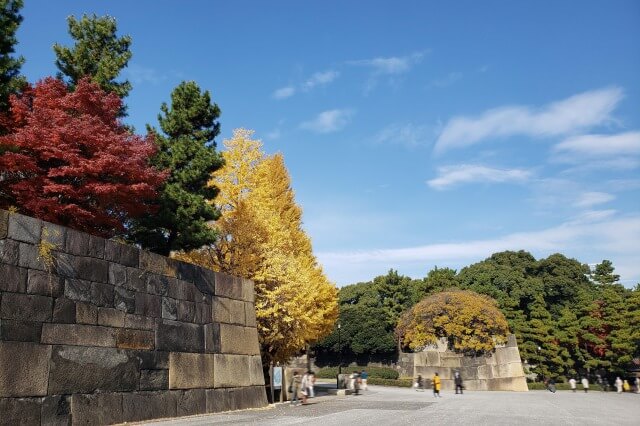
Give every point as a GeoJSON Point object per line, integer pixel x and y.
{"type": "Point", "coordinates": [304, 388]}
{"type": "Point", "coordinates": [363, 377]}
{"type": "Point", "coordinates": [585, 384]}
{"type": "Point", "coordinates": [458, 382]}
{"type": "Point", "coordinates": [637, 382]}
{"type": "Point", "coordinates": [625, 386]}
{"type": "Point", "coordinates": [419, 384]}
{"type": "Point", "coordinates": [311, 381]}
{"type": "Point", "coordinates": [618, 384]}
{"type": "Point", "coordinates": [436, 385]}
{"type": "Point", "coordinates": [572, 384]}
{"type": "Point", "coordinates": [294, 387]}
{"type": "Point", "coordinates": [356, 382]}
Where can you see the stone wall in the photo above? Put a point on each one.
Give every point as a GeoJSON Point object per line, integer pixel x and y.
{"type": "Point", "coordinates": [501, 370]}
{"type": "Point", "coordinates": [106, 333]}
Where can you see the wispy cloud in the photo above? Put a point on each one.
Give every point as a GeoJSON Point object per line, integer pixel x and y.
{"type": "Point", "coordinates": [392, 64]}
{"type": "Point", "coordinates": [576, 113]}
{"type": "Point", "coordinates": [601, 145]}
{"type": "Point", "coordinates": [329, 121]}
{"type": "Point", "coordinates": [446, 81]}
{"type": "Point", "coordinates": [284, 92]}
{"type": "Point", "coordinates": [139, 74]}
{"type": "Point", "coordinates": [592, 198]}
{"type": "Point", "coordinates": [319, 79]}
{"type": "Point", "coordinates": [407, 134]}
{"type": "Point", "coordinates": [618, 240]}
{"type": "Point", "coordinates": [449, 176]}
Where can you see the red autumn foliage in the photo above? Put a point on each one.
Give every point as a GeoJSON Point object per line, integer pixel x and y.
{"type": "Point", "coordinates": [67, 159]}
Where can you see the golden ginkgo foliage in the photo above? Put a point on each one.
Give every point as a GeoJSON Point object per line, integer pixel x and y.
{"type": "Point", "coordinates": [261, 238]}
{"type": "Point", "coordinates": [470, 321]}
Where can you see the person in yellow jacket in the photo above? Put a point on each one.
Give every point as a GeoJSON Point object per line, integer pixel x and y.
{"type": "Point", "coordinates": [436, 385]}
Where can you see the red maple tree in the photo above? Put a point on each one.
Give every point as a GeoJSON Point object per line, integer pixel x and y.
{"type": "Point", "coordinates": [68, 159]}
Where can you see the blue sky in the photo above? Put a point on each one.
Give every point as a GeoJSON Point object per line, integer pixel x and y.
{"type": "Point", "coordinates": [416, 133]}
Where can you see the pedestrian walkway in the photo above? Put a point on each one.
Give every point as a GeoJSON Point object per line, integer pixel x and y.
{"type": "Point", "coordinates": [402, 406]}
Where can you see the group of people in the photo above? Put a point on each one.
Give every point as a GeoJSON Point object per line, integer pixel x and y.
{"type": "Point", "coordinates": [301, 387]}
{"type": "Point", "coordinates": [437, 384]}
{"type": "Point", "coordinates": [620, 385]}
{"type": "Point", "coordinates": [358, 381]}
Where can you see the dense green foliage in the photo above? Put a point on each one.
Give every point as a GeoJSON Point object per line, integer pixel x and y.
{"type": "Point", "coordinates": [98, 53]}
{"type": "Point", "coordinates": [374, 372]}
{"type": "Point", "coordinates": [10, 80]}
{"type": "Point", "coordinates": [568, 320]}
{"type": "Point", "coordinates": [186, 150]}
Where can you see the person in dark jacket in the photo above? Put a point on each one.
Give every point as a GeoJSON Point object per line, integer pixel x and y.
{"type": "Point", "coordinates": [458, 381]}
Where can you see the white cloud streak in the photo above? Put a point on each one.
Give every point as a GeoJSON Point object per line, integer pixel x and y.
{"type": "Point", "coordinates": [588, 240]}
{"type": "Point", "coordinates": [284, 92]}
{"type": "Point", "coordinates": [601, 145]}
{"type": "Point", "coordinates": [590, 199]}
{"type": "Point", "coordinates": [407, 134]}
{"type": "Point", "coordinates": [449, 176]}
{"type": "Point", "coordinates": [390, 65]}
{"type": "Point", "coordinates": [320, 79]}
{"type": "Point", "coordinates": [329, 121]}
{"type": "Point", "coordinates": [576, 113]}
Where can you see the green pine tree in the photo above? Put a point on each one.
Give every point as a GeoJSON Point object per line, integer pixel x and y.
{"type": "Point", "coordinates": [10, 79]}
{"type": "Point", "coordinates": [98, 53]}
{"type": "Point", "coordinates": [186, 150]}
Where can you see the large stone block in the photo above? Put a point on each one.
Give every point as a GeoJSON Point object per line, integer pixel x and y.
{"type": "Point", "coordinates": [192, 402]}
{"type": "Point", "coordinates": [44, 283]}
{"type": "Point", "coordinates": [249, 314]}
{"type": "Point", "coordinates": [236, 339]}
{"type": "Point", "coordinates": [110, 317]}
{"type": "Point", "coordinates": [450, 361]}
{"type": "Point", "coordinates": [25, 369]}
{"type": "Point", "coordinates": [139, 322]}
{"type": "Point", "coordinates": [251, 397]}
{"type": "Point", "coordinates": [212, 338]}
{"type": "Point", "coordinates": [9, 251]}
{"type": "Point", "coordinates": [507, 355]}
{"type": "Point", "coordinates": [78, 290]}
{"type": "Point", "coordinates": [135, 339]}
{"type": "Point", "coordinates": [231, 370]}
{"type": "Point", "coordinates": [203, 313]}
{"type": "Point", "coordinates": [228, 286]}
{"type": "Point", "coordinates": [78, 369]}
{"type": "Point", "coordinates": [54, 235]}
{"type": "Point", "coordinates": [256, 375]}
{"type": "Point", "coordinates": [191, 371]}
{"type": "Point", "coordinates": [205, 280]}
{"type": "Point", "coordinates": [174, 336]}
{"type": "Point", "coordinates": [30, 258]}
{"type": "Point", "coordinates": [138, 406]}
{"type": "Point", "coordinates": [169, 308]}
{"type": "Point", "coordinates": [228, 310]}
{"type": "Point", "coordinates": [136, 280]}
{"type": "Point", "coordinates": [151, 262]}
{"type": "Point", "coordinates": [433, 358]}
{"type": "Point", "coordinates": [92, 269]}
{"type": "Point", "coordinates": [20, 331]}
{"type": "Point", "coordinates": [248, 290]}
{"type": "Point", "coordinates": [4, 223]}
{"type": "Point", "coordinates": [154, 379]}
{"type": "Point", "coordinates": [78, 335]}
{"type": "Point", "coordinates": [117, 274]}
{"type": "Point", "coordinates": [28, 307]}
{"type": "Point", "coordinates": [56, 410]}
{"type": "Point", "coordinates": [20, 411]}
{"type": "Point", "coordinates": [97, 409]}
{"type": "Point", "coordinates": [24, 228]}
{"type": "Point", "coordinates": [64, 311]}
{"type": "Point", "coordinates": [121, 253]}
{"type": "Point", "coordinates": [186, 272]}
{"type": "Point", "coordinates": [157, 284]}
{"type": "Point", "coordinates": [124, 300]}
{"type": "Point", "coordinates": [186, 311]}
{"type": "Point", "coordinates": [86, 313]}
{"type": "Point", "coordinates": [154, 360]}
{"type": "Point", "coordinates": [220, 400]}
{"type": "Point", "coordinates": [12, 278]}
{"type": "Point", "coordinates": [81, 244]}
{"type": "Point", "coordinates": [148, 305]}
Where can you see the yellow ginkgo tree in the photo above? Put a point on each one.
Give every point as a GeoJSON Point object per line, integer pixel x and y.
{"type": "Point", "coordinates": [261, 238]}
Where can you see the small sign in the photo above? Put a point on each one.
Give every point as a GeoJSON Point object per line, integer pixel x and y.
{"type": "Point", "coordinates": [277, 377]}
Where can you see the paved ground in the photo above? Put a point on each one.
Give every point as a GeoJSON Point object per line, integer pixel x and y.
{"type": "Point", "coordinates": [400, 406]}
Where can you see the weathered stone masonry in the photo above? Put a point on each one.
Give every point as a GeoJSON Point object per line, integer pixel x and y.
{"type": "Point", "coordinates": [109, 333]}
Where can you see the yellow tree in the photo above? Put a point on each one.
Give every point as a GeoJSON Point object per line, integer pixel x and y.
{"type": "Point", "coordinates": [470, 321]}
{"type": "Point", "coordinates": [261, 238]}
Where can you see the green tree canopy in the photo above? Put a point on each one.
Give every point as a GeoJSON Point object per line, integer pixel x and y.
{"type": "Point", "coordinates": [186, 149]}
{"type": "Point", "coordinates": [98, 52]}
{"type": "Point", "coordinates": [10, 79]}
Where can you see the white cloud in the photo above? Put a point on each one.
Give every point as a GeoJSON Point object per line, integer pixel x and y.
{"type": "Point", "coordinates": [448, 80]}
{"type": "Point", "coordinates": [601, 145]}
{"type": "Point", "coordinates": [578, 112]}
{"type": "Point", "coordinates": [329, 121]}
{"type": "Point", "coordinates": [591, 241]}
{"type": "Point", "coordinates": [284, 92]}
{"type": "Point", "coordinates": [319, 79]}
{"type": "Point", "coordinates": [390, 65]}
{"type": "Point", "coordinates": [407, 134]}
{"type": "Point", "coordinates": [139, 74]}
{"type": "Point", "coordinates": [590, 199]}
{"type": "Point", "coordinates": [449, 176]}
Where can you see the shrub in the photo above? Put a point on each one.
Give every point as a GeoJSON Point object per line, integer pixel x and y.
{"type": "Point", "coordinates": [374, 372]}
{"type": "Point", "coordinates": [403, 383]}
